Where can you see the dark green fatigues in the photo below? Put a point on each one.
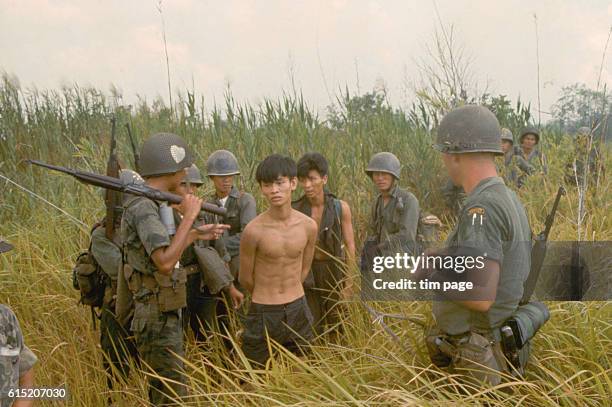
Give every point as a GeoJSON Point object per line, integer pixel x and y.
{"type": "Point", "coordinates": [159, 334]}
{"type": "Point", "coordinates": [323, 283]}
{"type": "Point", "coordinates": [493, 221]}
{"type": "Point", "coordinates": [288, 324]}
{"type": "Point", "coordinates": [394, 226]}
{"type": "Point", "coordinates": [116, 340]}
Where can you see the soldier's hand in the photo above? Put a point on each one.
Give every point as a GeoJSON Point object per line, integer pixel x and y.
{"type": "Point", "coordinates": [190, 207]}
{"type": "Point", "coordinates": [210, 231]}
{"type": "Point", "coordinates": [236, 296]}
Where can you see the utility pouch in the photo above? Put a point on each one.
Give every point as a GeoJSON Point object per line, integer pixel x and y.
{"type": "Point", "coordinates": [172, 294]}
{"type": "Point", "coordinates": [476, 358]}
{"type": "Point", "coordinates": [89, 279]}
{"type": "Point", "coordinates": [435, 341]}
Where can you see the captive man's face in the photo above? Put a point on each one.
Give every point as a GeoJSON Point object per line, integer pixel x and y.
{"type": "Point", "coordinates": [313, 184]}
{"type": "Point", "coordinates": [278, 193]}
{"type": "Point", "coordinates": [529, 140]}
{"type": "Point", "coordinates": [383, 180]}
{"type": "Point", "coordinates": [223, 184]}
{"type": "Point", "coordinates": [506, 146]}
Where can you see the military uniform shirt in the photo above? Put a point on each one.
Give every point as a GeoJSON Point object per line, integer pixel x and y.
{"type": "Point", "coordinates": [106, 252]}
{"type": "Point", "coordinates": [142, 232]}
{"type": "Point", "coordinates": [494, 222]}
{"type": "Point", "coordinates": [241, 209]}
{"type": "Point", "coordinates": [395, 224]}
{"type": "Point", "coordinates": [16, 359]}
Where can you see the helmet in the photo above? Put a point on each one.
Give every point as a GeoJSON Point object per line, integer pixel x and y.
{"type": "Point", "coordinates": [222, 163]}
{"type": "Point", "coordinates": [384, 162]}
{"type": "Point", "coordinates": [530, 130]}
{"type": "Point", "coordinates": [507, 135]}
{"type": "Point", "coordinates": [193, 176]}
{"type": "Point", "coordinates": [164, 153]}
{"type": "Point", "coordinates": [130, 177]}
{"type": "Point", "coordinates": [469, 129]}
{"type": "Point", "coordinates": [5, 246]}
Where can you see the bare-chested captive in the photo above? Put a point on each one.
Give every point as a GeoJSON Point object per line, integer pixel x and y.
{"type": "Point", "coordinates": [276, 251]}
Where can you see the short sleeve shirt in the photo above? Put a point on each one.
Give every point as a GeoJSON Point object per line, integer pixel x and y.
{"type": "Point", "coordinates": [494, 223]}
{"type": "Point", "coordinates": [142, 232]}
{"type": "Point", "coordinates": [16, 359]}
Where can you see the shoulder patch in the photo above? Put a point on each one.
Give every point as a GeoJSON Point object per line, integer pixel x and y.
{"type": "Point", "coordinates": [477, 210]}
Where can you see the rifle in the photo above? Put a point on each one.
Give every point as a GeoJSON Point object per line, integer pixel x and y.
{"type": "Point", "coordinates": [538, 251]}
{"type": "Point", "coordinates": [111, 197]}
{"type": "Point", "coordinates": [134, 149]}
{"type": "Point", "coordinates": [115, 184]}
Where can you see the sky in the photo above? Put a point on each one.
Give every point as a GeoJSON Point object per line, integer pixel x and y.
{"type": "Point", "coordinates": [260, 47]}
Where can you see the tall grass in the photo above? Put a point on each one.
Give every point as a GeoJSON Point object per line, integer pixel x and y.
{"type": "Point", "coordinates": [571, 362]}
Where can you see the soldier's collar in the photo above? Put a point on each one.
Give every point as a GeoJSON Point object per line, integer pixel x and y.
{"type": "Point", "coordinates": [485, 183]}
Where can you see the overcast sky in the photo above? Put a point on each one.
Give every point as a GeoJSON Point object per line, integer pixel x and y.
{"type": "Point", "coordinates": [254, 45]}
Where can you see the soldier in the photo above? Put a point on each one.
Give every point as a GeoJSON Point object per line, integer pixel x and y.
{"type": "Point", "coordinates": [395, 213]}
{"type": "Point", "coordinates": [151, 267]}
{"type": "Point", "coordinates": [275, 257]}
{"type": "Point", "coordinates": [16, 359]}
{"type": "Point", "coordinates": [222, 167]}
{"type": "Point", "coordinates": [202, 287]}
{"type": "Point", "coordinates": [576, 170]}
{"type": "Point", "coordinates": [534, 159]}
{"type": "Point", "coordinates": [328, 279]}
{"type": "Point", "coordinates": [115, 337]}
{"type": "Point", "coordinates": [494, 224]}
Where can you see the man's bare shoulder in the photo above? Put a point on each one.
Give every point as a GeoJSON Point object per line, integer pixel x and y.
{"type": "Point", "coordinates": [307, 221]}
{"type": "Point", "coordinates": [252, 228]}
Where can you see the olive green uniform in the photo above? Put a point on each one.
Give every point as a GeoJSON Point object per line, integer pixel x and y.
{"type": "Point", "coordinates": [115, 339]}
{"type": "Point", "coordinates": [494, 222]}
{"type": "Point", "coordinates": [16, 359]}
{"type": "Point", "coordinates": [241, 209]}
{"type": "Point", "coordinates": [157, 322]}
{"type": "Point", "coordinates": [323, 283]}
{"type": "Point", "coordinates": [394, 226]}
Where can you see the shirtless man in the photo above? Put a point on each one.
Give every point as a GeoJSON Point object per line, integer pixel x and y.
{"type": "Point", "coordinates": [276, 252]}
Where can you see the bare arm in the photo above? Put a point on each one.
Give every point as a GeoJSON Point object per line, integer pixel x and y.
{"type": "Point", "coordinates": [347, 233]}
{"type": "Point", "coordinates": [311, 230]}
{"type": "Point", "coordinates": [26, 381]}
{"type": "Point", "coordinates": [248, 248]}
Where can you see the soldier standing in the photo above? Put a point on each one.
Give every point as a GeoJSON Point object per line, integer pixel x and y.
{"type": "Point", "coordinates": [114, 334]}
{"type": "Point", "coordinates": [16, 359]}
{"type": "Point", "coordinates": [395, 213]}
{"type": "Point", "coordinates": [222, 167]}
{"type": "Point", "coordinates": [335, 247]}
{"type": "Point", "coordinates": [534, 159]}
{"type": "Point", "coordinates": [492, 222]}
{"type": "Point", "coordinates": [203, 285]}
{"type": "Point", "coordinates": [152, 269]}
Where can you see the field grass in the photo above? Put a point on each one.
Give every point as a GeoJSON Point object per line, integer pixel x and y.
{"type": "Point", "coordinates": [571, 360]}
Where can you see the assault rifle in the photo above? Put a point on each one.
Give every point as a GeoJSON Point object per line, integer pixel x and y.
{"type": "Point", "coordinates": [111, 197]}
{"type": "Point", "coordinates": [538, 251]}
{"type": "Point", "coordinates": [115, 184]}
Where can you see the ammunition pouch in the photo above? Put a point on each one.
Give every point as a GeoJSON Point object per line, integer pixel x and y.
{"type": "Point", "coordinates": [89, 279]}
{"type": "Point", "coordinates": [215, 272]}
{"type": "Point", "coordinates": [167, 290]}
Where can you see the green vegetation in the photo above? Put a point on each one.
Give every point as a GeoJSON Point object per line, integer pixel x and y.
{"type": "Point", "coordinates": [571, 362]}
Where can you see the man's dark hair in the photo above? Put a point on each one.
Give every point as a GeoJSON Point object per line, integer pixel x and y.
{"type": "Point", "coordinates": [275, 166]}
{"type": "Point", "coordinates": [312, 161]}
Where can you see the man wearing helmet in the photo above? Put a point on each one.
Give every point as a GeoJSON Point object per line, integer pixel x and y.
{"type": "Point", "coordinates": [221, 168]}
{"type": "Point", "coordinates": [395, 213]}
{"type": "Point", "coordinates": [493, 224]}
{"type": "Point", "coordinates": [532, 158]}
{"type": "Point", "coordinates": [152, 264]}
{"type": "Point", "coordinates": [203, 285]}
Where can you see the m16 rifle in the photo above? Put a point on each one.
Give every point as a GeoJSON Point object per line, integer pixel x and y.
{"type": "Point", "coordinates": [538, 251]}
{"type": "Point", "coordinates": [115, 184]}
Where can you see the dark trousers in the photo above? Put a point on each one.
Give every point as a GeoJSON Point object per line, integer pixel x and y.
{"type": "Point", "coordinates": [118, 346]}
{"type": "Point", "coordinates": [323, 293]}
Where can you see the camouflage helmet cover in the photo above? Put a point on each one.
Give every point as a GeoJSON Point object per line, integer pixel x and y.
{"type": "Point", "coordinates": [164, 153]}
{"type": "Point", "coordinates": [530, 130]}
{"type": "Point", "coordinates": [384, 162]}
{"type": "Point", "coordinates": [469, 129]}
{"type": "Point", "coordinates": [193, 176]}
{"type": "Point", "coordinates": [506, 134]}
{"type": "Point", "coordinates": [222, 163]}
{"type": "Point", "coordinates": [5, 246]}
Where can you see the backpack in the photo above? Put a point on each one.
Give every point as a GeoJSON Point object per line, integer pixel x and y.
{"type": "Point", "coordinates": [89, 278]}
